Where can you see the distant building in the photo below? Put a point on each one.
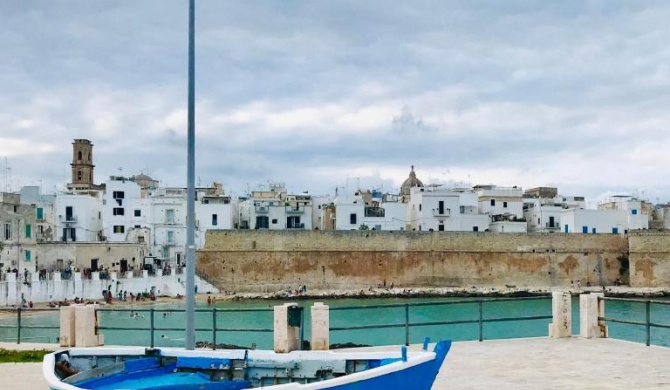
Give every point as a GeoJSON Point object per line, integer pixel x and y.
{"type": "Point", "coordinates": [367, 209]}
{"type": "Point", "coordinates": [409, 183]}
{"type": "Point", "coordinates": [275, 209]}
{"type": "Point", "coordinates": [432, 208]}
{"type": "Point", "coordinates": [82, 167]}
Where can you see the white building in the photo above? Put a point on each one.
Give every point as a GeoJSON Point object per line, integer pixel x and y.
{"type": "Point", "coordinates": [78, 216]}
{"type": "Point", "coordinates": [431, 208]}
{"type": "Point", "coordinates": [274, 209]}
{"type": "Point", "coordinates": [589, 221]}
{"type": "Point", "coordinates": [120, 213]}
{"type": "Point", "coordinates": [494, 200]}
{"type": "Point", "coordinates": [371, 210]}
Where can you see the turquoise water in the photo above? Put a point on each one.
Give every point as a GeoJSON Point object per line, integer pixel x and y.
{"type": "Point", "coordinates": [262, 319]}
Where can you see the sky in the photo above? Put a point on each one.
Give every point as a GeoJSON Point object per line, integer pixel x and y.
{"type": "Point", "coordinates": [322, 95]}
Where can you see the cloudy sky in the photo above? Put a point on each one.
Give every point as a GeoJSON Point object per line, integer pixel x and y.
{"type": "Point", "coordinates": [326, 94]}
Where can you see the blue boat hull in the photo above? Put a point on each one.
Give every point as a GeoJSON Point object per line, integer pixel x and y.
{"type": "Point", "coordinates": [171, 369]}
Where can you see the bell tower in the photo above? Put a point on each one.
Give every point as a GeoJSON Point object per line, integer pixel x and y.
{"type": "Point", "coordinates": [82, 165]}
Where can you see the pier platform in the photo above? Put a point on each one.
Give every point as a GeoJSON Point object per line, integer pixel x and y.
{"type": "Point", "coordinates": [531, 363]}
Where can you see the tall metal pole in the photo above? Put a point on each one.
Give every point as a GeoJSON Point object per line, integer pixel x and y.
{"type": "Point", "coordinates": [190, 199]}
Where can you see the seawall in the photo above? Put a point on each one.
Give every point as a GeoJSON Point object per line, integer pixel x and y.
{"type": "Point", "coordinates": [251, 260]}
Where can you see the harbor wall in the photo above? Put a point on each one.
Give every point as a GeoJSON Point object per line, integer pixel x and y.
{"type": "Point", "coordinates": [649, 259]}
{"type": "Point", "coordinates": [266, 261]}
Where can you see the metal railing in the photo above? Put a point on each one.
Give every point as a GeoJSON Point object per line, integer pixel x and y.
{"type": "Point", "coordinates": [153, 328]}
{"type": "Point", "coordinates": [405, 323]}
{"type": "Point", "coordinates": [20, 313]}
{"type": "Point", "coordinates": [403, 320]}
{"type": "Point", "coordinates": [480, 320]}
{"type": "Point", "coordinates": [646, 323]}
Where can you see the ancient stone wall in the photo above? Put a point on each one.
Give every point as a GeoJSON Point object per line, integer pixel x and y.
{"type": "Point", "coordinates": [649, 259]}
{"type": "Point", "coordinates": [271, 260]}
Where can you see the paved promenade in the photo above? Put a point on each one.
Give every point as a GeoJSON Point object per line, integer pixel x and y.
{"type": "Point", "coordinates": [536, 363]}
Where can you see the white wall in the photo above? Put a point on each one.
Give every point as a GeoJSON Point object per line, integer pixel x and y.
{"type": "Point", "coordinates": [87, 210]}
{"type": "Point", "coordinates": [131, 195]}
{"type": "Point", "coordinates": [57, 289]}
{"type": "Point", "coordinates": [603, 221]}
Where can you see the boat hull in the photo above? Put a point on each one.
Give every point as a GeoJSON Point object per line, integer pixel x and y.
{"type": "Point", "coordinates": [172, 369]}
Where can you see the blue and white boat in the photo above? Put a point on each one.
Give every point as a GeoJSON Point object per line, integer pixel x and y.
{"type": "Point", "coordinates": [137, 368]}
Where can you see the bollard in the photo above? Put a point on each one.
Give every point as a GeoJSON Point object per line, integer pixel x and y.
{"type": "Point", "coordinates": [286, 328]}
{"type": "Point", "coordinates": [561, 310]}
{"type": "Point", "coordinates": [320, 327]}
{"type": "Point", "coordinates": [590, 308]}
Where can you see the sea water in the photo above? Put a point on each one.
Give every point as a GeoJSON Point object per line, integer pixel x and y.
{"type": "Point", "coordinates": [253, 327]}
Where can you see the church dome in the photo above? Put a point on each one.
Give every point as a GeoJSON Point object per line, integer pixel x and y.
{"type": "Point", "coordinates": [411, 181]}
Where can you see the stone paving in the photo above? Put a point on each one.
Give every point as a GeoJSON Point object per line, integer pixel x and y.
{"type": "Point", "coordinates": [533, 363]}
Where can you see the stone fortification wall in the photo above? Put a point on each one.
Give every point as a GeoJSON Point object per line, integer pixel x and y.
{"type": "Point", "coordinates": [270, 260]}
{"type": "Point", "coordinates": [649, 259]}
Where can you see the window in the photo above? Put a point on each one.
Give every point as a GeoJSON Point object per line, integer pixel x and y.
{"type": "Point", "coordinates": [118, 195]}
{"type": "Point", "coordinates": [140, 239]}
{"type": "Point", "coordinates": [585, 229]}
{"type": "Point", "coordinates": [69, 210]}
{"type": "Point", "coordinates": [440, 207]}
{"type": "Point", "coordinates": [79, 175]}
{"type": "Point", "coordinates": [119, 229]}
{"type": "Point", "coordinates": [504, 204]}
{"type": "Point", "coordinates": [169, 216]}
{"type": "Point", "coordinates": [8, 231]}
{"type": "Point", "coordinates": [440, 228]}
{"type": "Point", "coordinates": [352, 219]}
{"type": "Point", "coordinates": [40, 213]}
{"type": "Point", "coordinates": [475, 228]}
{"type": "Point", "coordinates": [79, 155]}
{"type": "Point", "coordinates": [138, 227]}
{"type": "Point", "coordinates": [215, 219]}
{"type": "Point", "coordinates": [28, 254]}
{"type": "Point", "coordinates": [493, 202]}
{"type": "Point", "coordinates": [170, 237]}
{"type": "Point", "coordinates": [138, 213]}
{"type": "Point", "coordinates": [29, 230]}
{"type": "Point", "coordinates": [262, 222]}
{"type": "Point", "coordinates": [118, 211]}
{"type": "Point", "coordinates": [274, 221]}
{"type": "Point", "coordinates": [419, 206]}
{"type": "Point", "coordinates": [633, 211]}
{"type": "Point", "coordinates": [615, 230]}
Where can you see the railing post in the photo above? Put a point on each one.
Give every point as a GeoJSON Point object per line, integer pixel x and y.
{"type": "Point", "coordinates": [648, 315]}
{"type": "Point", "coordinates": [151, 322]}
{"type": "Point", "coordinates": [18, 323]}
{"type": "Point", "coordinates": [481, 320]}
{"type": "Point", "coordinates": [214, 329]}
{"type": "Point", "coordinates": [407, 324]}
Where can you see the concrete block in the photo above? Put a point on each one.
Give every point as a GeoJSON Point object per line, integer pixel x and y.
{"type": "Point", "coordinates": [320, 327]}
{"type": "Point", "coordinates": [67, 326]}
{"type": "Point", "coordinates": [285, 336]}
{"type": "Point", "coordinates": [590, 308]}
{"type": "Point", "coordinates": [561, 310]}
{"type": "Point", "coordinates": [86, 323]}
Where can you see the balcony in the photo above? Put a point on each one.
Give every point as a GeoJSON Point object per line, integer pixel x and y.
{"type": "Point", "coordinates": [293, 210]}
{"type": "Point", "coordinates": [296, 226]}
{"type": "Point", "coordinates": [549, 225]}
{"type": "Point", "coordinates": [70, 219]}
{"type": "Point", "coordinates": [261, 209]}
{"type": "Point", "coordinates": [441, 213]}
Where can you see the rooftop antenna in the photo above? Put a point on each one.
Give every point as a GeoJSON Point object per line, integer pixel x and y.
{"type": "Point", "coordinates": [190, 175]}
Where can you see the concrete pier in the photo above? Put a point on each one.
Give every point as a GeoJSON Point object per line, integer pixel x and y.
{"type": "Point", "coordinates": [533, 363]}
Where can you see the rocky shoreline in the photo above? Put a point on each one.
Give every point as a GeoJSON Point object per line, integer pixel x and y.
{"type": "Point", "coordinates": [422, 292]}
